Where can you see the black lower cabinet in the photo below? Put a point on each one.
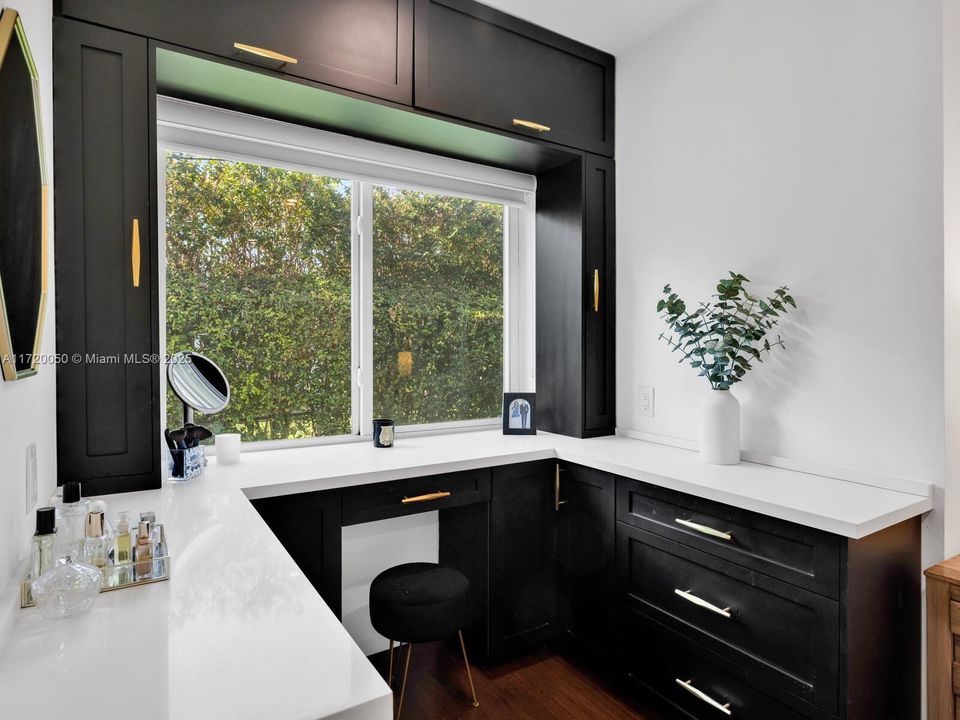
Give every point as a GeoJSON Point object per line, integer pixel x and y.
{"type": "Point", "coordinates": [586, 573]}
{"type": "Point", "coordinates": [523, 557]}
{"type": "Point", "coordinates": [706, 623]}
{"type": "Point", "coordinates": [308, 526]}
{"type": "Point", "coordinates": [694, 682]}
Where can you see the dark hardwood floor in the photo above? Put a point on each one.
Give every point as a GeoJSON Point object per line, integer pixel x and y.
{"type": "Point", "coordinates": [544, 686]}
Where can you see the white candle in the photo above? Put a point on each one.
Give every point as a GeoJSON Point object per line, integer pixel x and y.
{"type": "Point", "coordinates": [228, 448]}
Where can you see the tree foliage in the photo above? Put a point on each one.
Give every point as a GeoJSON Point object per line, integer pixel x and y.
{"type": "Point", "coordinates": [720, 339]}
{"type": "Point", "coordinates": [259, 279]}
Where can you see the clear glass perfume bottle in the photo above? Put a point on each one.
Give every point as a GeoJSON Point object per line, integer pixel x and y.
{"type": "Point", "coordinates": [96, 544]}
{"type": "Point", "coordinates": [144, 551]}
{"type": "Point", "coordinates": [71, 521]}
{"type": "Point", "coordinates": [43, 548]}
{"type": "Point", "coordinates": [123, 554]}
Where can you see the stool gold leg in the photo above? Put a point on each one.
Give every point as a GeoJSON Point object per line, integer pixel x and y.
{"type": "Point", "coordinates": [403, 687]}
{"type": "Point", "coordinates": [390, 672]}
{"type": "Point", "coordinates": [473, 690]}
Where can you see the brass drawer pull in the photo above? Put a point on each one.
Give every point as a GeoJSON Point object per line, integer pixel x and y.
{"type": "Point", "coordinates": [557, 502]}
{"type": "Point", "coordinates": [135, 252]}
{"type": "Point", "coordinates": [705, 529]}
{"type": "Point", "coordinates": [263, 52]}
{"type": "Point", "coordinates": [424, 498]}
{"type": "Point", "coordinates": [700, 602]}
{"type": "Point", "coordinates": [596, 290]}
{"type": "Point", "coordinates": [531, 125]}
{"type": "Point", "coordinates": [700, 695]}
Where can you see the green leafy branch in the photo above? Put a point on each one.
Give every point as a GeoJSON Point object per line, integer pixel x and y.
{"type": "Point", "coordinates": [721, 339]}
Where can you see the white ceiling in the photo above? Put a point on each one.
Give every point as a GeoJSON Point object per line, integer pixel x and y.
{"type": "Point", "coordinates": [611, 25]}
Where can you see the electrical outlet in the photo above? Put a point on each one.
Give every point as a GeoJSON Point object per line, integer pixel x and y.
{"type": "Point", "coordinates": [646, 401]}
{"type": "Point", "coordinates": [31, 477]}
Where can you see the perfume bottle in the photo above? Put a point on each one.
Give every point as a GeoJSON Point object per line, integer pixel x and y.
{"type": "Point", "coordinates": [159, 541]}
{"type": "Point", "coordinates": [122, 554]}
{"type": "Point", "coordinates": [144, 551]}
{"type": "Point", "coordinates": [43, 551]}
{"type": "Point", "coordinates": [96, 543]}
{"type": "Point", "coordinates": [71, 521]}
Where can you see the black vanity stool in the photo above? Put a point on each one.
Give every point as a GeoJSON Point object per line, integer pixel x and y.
{"type": "Point", "coordinates": [420, 602]}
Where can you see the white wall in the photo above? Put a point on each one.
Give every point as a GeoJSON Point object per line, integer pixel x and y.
{"type": "Point", "coordinates": [951, 270]}
{"type": "Point", "coordinates": [28, 407]}
{"type": "Point", "coordinates": [797, 143]}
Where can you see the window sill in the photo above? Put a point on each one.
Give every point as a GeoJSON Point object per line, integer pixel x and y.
{"type": "Point", "coordinates": [401, 431]}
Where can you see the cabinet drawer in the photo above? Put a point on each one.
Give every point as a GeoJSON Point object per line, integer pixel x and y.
{"type": "Point", "coordinates": [661, 660]}
{"type": "Point", "coordinates": [787, 635]}
{"type": "Point", "coordinates": [479, 64]}
{"type": "Point", "coordinates": [361, 45]}
{"type": "Point", "coordinates": [803, 556]}
{"type": "Point", "coordinates": [365, 503]}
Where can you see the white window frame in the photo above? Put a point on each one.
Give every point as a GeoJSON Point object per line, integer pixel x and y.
{"type": "Point", "coordinates": [213, 132]}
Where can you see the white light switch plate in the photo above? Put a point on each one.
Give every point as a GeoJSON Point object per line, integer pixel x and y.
{"type": "Point", "coordinates": [645, 397]}
{"type": "Point", "coordinates": [31, 477]}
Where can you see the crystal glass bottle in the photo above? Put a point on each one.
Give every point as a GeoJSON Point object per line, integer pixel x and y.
{"type": "Point", "coordinates": [67, 589]}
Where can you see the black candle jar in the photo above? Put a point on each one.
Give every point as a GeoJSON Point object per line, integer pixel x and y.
{"type": "Point", "coordinates": [383, 432]}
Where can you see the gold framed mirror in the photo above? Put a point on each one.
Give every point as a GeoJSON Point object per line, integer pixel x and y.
{"type": "Point", "coordinates": [24, 199]}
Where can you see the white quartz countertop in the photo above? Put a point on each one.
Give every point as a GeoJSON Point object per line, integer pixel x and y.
{"type": "Point", "coordinates": [237, 633]}
{"type": "Point", "coordinates": [851, 509]}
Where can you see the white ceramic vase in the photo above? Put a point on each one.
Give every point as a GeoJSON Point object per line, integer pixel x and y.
{"type": "Point", "coordinates": [720, 428]}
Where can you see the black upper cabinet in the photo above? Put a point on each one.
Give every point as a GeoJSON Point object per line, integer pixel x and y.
{"type": "Point", "coordinates": [576, 295]}
{"type": "Point", "coordinates": [523, 557]}
{"type": "Point", "coordinates": [360, 45]}
{"type": "Point", "coordinates": [107, 420]}
{"type": "Point", "coordinates": [479, 64]}
{"type": "Point", "coordinates": [585, 556]}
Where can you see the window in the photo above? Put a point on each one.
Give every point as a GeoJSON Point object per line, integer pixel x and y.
{"type": "Point", "coordinates": [332, 288]}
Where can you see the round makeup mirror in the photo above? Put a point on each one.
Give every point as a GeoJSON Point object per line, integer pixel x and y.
{"type": "Point", "coordinates": [198, 383]}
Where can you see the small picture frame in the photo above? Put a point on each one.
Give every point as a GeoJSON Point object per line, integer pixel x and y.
{"type": "Point", "coordinates": [519, 413]}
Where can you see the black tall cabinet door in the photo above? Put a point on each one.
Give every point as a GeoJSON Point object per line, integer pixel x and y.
{"type": "Point", "coordinates": [523, 557]}
{"type": "Point", "coordinates": [586, 558]}
{"type": "Point", "coordinates": [107, 417]}
{"type": "Point", "coordinates": [576, 295]}
{"type": "Point", "coordinates": [599, 321]}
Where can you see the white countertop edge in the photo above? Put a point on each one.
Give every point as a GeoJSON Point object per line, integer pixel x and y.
{"type": "Point", "coordinates": [401, 473]}
{"type": "Point", "coordinates": [843, 507]}
{"type": "Point", "coordinates": [917, 504]}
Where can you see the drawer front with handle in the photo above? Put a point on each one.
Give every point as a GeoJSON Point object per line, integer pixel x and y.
{"type": "Point", "coordinates": [365, 503]}
{"type": "Point", "coordinates": [787, 635]}
{"type": "Point", "coordinates": [799, 555]}
{"type": "Point", "coordinates": [696, 682]}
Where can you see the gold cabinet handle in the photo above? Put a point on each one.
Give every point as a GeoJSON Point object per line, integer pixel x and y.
{"type": "Point", "coordinates": [700, 695]}
{"type": "Point", "coordinates": [557, 502]}
{"type": "Point", "coordinates": [424, 498]}
{"type": "Point", "coordinates": [531, 125]}
{"type": "Point", "coordinates": [135, 252]}
{"type": "Point", "coordinates": [705, 529]}
{"type": "Point", "coordinates": [700, 602]}
{"type": "Point", "coordinates": [263, 52]}
{"type": "Point", "coordinates": [596, 290]}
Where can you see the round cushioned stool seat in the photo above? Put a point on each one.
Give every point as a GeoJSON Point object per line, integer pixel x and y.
{"type": "Point", "coordinates": [419, 602]}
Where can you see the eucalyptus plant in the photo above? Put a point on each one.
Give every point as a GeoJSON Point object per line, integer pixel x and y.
{"type": "Point", "coordinates": [721, 339]}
